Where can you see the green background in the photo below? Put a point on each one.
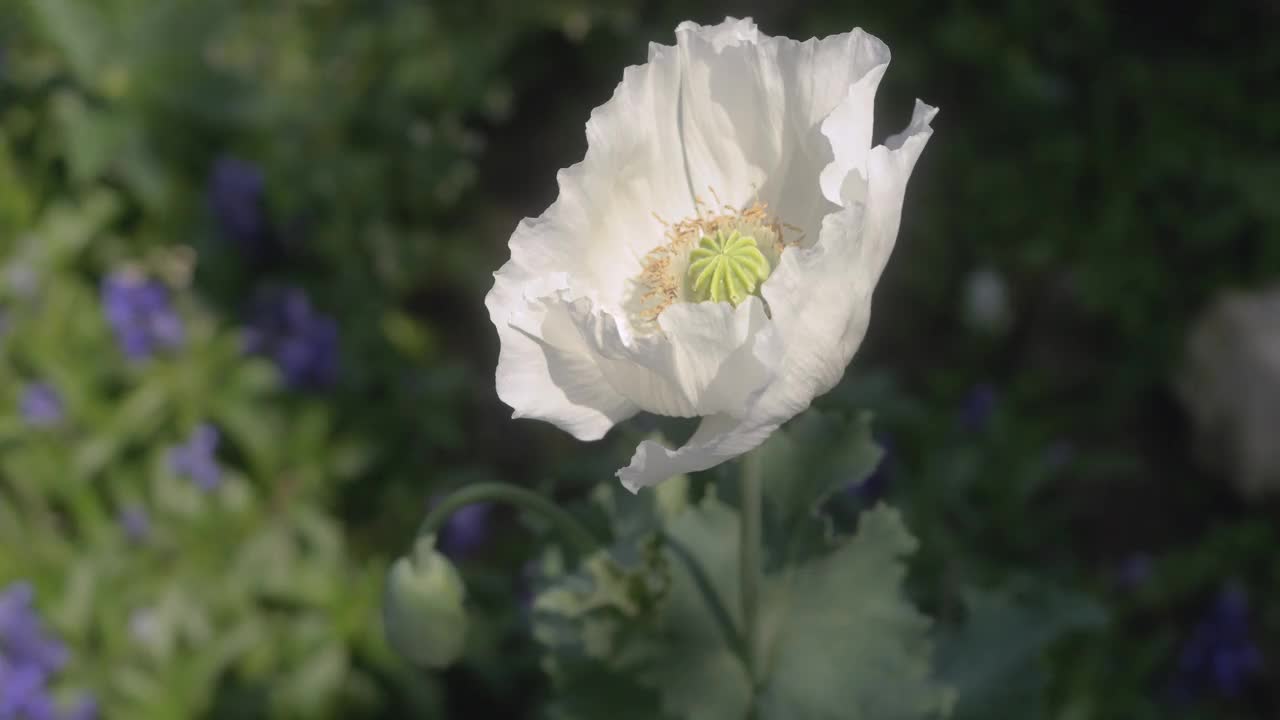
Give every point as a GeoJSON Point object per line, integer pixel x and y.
{"type": "Point", "coordinates": [1117, 167]}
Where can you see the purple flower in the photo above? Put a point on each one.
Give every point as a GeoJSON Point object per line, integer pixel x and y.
{"type": "Point", "coordinates": [141, 314]}
{"type": "Point", "coordinates": [302, 342]}
{"type": "Point", "coordinates": [28, 660]}
{"type": "Point", "coordinates": [467, 530]}
{"type": "Point", "coordinates": [978, 407]}
{"type": "Point", "coordinates": [24, 694]}
{"type": "Point", "coordinates": [237, 200]}
{"type": "Point", "coordinates": [1059, 455]}
{"type": "Point", "coordinates": [41, 406]}
{"type": "Point", "coordinates": [136, 523]}
{"type": "Point", "coordinates": [1220, 654]}
{"type": "Point", "coordinates": [195, 459]}
{"type": "Point", "coordinates": [23, 642]}
{"type": "Point", "coordinates": [1135, 571]}
{"type": "Point", "coordinates": [873, 487]}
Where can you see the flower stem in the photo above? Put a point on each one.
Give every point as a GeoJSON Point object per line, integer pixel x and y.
{"type": "Point", "coordinates": [749, 559]}
{"type": "Point", "coordinates": [574, 532]}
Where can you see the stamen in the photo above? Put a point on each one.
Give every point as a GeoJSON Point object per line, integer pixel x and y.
{"type": "Point", "coordinates": [749, 240]}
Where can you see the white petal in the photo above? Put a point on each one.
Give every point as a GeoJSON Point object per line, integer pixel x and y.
{"type": "Point", "coordinates": [820, 299]}
{"type": "Point", "coordinates": [718, 438]}
{"type": "Point", "coordinates": [708, 359]}
{"type": "Point", "coordinates": [591, 240]}
{"type": "Point", "coordinates": [752, 113]}
{"type": "Point", "coordinates": [546, 371]}
{"type": "Point", "coordinates": [606, 216]}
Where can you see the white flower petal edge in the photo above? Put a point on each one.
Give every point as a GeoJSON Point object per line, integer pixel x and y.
{"type": "Point", "coordinates": [750, 119]}
{"type": "Point", "coordinates": [821, 302]}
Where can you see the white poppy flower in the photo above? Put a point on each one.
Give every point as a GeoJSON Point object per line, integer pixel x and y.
{"type": "Point", "coordinates": [714, 253]}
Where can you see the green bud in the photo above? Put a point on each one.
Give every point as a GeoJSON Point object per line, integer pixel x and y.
{"type": "Point", "coordinates": [423, 607]}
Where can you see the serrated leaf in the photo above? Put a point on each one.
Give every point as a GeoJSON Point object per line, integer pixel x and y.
{"type": "Point", "coordinates": [589, 613]}
{"type": "Point", "coordinates": [994, 659]}
{"type": "Point", "coordinates": [691, 657]}
{"type": "Point", "coordinates": [814, 457]}
{"type": "Point", "coordinates": [839, 638]}
{"type": "Point", "coordinates": [591, 690]}
{"type": "Point", "coordinates": [843, 641]}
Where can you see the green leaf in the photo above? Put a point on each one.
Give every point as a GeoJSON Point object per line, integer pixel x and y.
{"type": "Point", "coordinates": [843, 639]}
{"type": "Point", "coordinates": [994, 659]}
{"type": "Point", "coordinates": [814, 457]}
{"type": "Point", "coordinates": [839, 638]}
{"type": "Point", "coordinates": [591, 690]}
{"type": "Point", "coordinates": [693, 657]}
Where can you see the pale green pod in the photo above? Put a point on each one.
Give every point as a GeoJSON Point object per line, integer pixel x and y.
{"type": "Point", "coordinates": [423, 611]}
{"type": "Point", "coordinates": [726, 267]}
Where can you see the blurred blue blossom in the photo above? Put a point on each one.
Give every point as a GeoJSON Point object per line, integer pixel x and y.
{"type": "Point", "coordinates": [303, 342]}
{"type": "Point", "coordinates": [1220, 654]}
{"type": "Point", "coordinates": [1135, 571]}
{"type": "Point", "coordinates": [467, 530]}
{"type": "Point", "coordinates": [978, 407]}
{"type": "Point", "coordinates": [237, 201]}
{"type": "Point", "coordinates": [195, 459]}
{"type": "Point", "coordinates": [1058, 455]}
{"type": "Point", "coordinates": [40, 405]}
{"type": "Point", "coordinates": [873, 487]}
{"type": "Point", "coordinates": [23, 693]}
{"type": "Point", "coordinates": [135, 522]}
{"type": "Point", "coordinates": [23, 641]}
{"type": "Point", "coordinates": [141, 314]}
{"type": "Point", "coordinates": [23, 279]}
{"type": "Point", "coordinates": [28, 660]}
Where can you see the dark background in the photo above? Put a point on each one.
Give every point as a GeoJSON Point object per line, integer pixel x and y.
{"type": "Point", "coordinates": [1109, 170]}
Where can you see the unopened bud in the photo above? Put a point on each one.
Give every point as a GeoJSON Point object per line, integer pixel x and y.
{"type": "Point", "coordinates": [423, 607]}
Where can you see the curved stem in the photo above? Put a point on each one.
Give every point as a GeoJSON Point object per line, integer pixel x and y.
{"type": "Point", "coordinates": [570, 528]}
{"type": "Point", "coordinates": [749, 558]}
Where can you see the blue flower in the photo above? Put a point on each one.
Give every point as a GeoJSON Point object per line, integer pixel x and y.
{"type": "Point", "coordinates": [237, 201]}
{"type": "Point", "coordinates": [23, 641]}
{"type": "Point", "coordinates": [41, 406]}
{"type": "Point", "coordinates": [29, 658]}
{"type": "Point", "coordinates": [467, 530]}
{"type": "Point", "coordinates": [135, 522]}
{"type": "Point", "coordinates": [195, 459]}
{"type": "Point", "coordinates": [141, 314]}
{"type": "Point", "coordinates": [1059, 455]}
{"type": "Point", "coordinates": [978, 407]}
{"type": "Point", "coordinates": [24, 694]}
{"type": "Point", "coordinates": [873, 487]}
{"type": "Point", "coordinates": [1220, 653]}
{"type": "Point", "coordinates": [302, 342]}
{"type": "Point", "coordinates": [1135, 571]}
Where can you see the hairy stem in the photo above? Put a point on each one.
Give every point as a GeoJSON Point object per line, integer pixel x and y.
{"type": "Point", "coordinates": [749, 559]}
{"type": "Point", "coordinates": [574, 532]}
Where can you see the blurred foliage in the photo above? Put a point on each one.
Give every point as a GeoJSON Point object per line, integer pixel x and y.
{"type": "Point", "coordinates": [1107, 169]}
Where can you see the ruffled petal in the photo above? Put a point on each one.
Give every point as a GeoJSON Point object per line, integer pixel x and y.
{"type": "Point", "coordinates": [710, 357]}
{"type": "Point", "coordinates": [719, 438]}
{"type": "Point", "coordinates": [753, 108]}
{"type": "Point", "coordinates": [820, 300]}
{"type": "Point", "coordinates": [546, 371]}
{"type": "Point", "coordinates": [590, 241]}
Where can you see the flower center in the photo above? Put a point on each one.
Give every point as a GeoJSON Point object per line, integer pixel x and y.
{"type": "Point", "coordinates": [720, 255]}
{"type": "Point", "coordinates": [726, 267]}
